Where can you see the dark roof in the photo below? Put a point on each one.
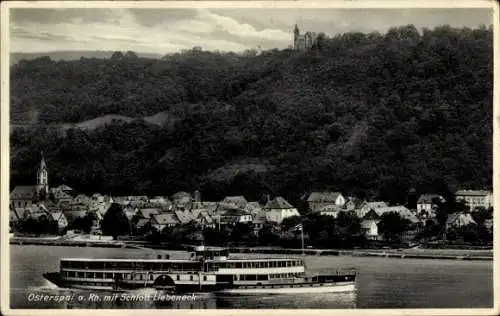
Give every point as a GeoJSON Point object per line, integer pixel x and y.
{"type": "Point", "coordinates": [238, 200]}
{"type": "Point", "coordinates": [165, 219]}
{"type": "Point", "coordinates": [147, 212]}
{"type": "Point", "coordinates": [23, 192]}
{"type": "Point", "coordinates": [472, 193]}
{"type": "Point", "coordinates": [234, 212]}
{"type": "Point", "coordinates": [428, 198]}
{"type": "Point", "coordinates": [55, 216]}
{"type": "Point", "coordinates": [323, 196]}
{"type": "Point", "coordinates": [278, 203]}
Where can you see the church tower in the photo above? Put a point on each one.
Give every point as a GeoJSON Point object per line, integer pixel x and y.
{"type": "Point", "coordinates": [42, 180]}
{"type": "Point", "coordinates": [296, 36]}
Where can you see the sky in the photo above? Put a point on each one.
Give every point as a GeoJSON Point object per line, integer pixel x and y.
{"type": "Point", "coordinates": [166, 30]}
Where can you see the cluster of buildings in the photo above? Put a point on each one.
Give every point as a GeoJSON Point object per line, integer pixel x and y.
{"type": "Point", "coordinates": [303, 41]}
{"type": "Point", "coordinates": [64, 205]}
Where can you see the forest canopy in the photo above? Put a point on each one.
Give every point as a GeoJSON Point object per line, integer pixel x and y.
{"type": "Point", "coordinates": [366, 114]}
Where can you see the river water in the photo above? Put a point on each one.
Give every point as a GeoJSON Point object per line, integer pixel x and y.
{"type": "Point", "coordinates": [381, 283]}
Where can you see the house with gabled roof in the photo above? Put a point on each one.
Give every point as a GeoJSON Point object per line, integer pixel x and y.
{"type": "Point", "coordinates": [278, 209]}
{"type": "Point", "coordinates": [21, 213]}
{"type": "Point", "coordinates": [142, 225]}
{"type": "Point", "coordinates": [182, 200]}
{"type": "Point", "coordinates": [232, 215]}
{"type": "Point", "coordinates": [317, 200]}
{"type": "Point", "coordinates": [238, 201]}
{"type": "Point", "coordinates": [205, 220]}
{"type": "Point", "coordinates": [60, 219]}
{"type": "Point", "coordinates": [371, 219]}
{"type": "Point", "coordinates": [61, 196]}
{"type": "Point", "coordinates": [352, 203]}
{"type": "Point", "coordinates": [253, 208]}
{"type": "Point", "coordinates": [209, 207]}
{"type": "Point", "coordinates": [368, 206]}
{"type": "Point", "coordinates": [475, 198]}
{"type": "Point", "coordinates": [330, 210]}
{"type": "Point", "coordinates": [23, 195]}
{"type": "Point", "coordinates": [184, 217]}
{"type": "Point", "coordinates": [457, 220]}
{"type": "Point", "coordinates": [160, 221]}
{"type": "Point", "coordinates": [428, 202]}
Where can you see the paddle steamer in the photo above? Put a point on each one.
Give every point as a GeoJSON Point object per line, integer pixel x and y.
{"type": "Point", "coordinates": [209, 269]}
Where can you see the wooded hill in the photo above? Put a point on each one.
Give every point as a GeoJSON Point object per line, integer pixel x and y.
{"type": "Point", "coordinates": [368, 114]}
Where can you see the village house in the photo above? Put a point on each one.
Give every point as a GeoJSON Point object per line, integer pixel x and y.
{"type": "Point", "coordinates": [259, 220]}
{"type": "Point", "coordinates": [428, 202]}
{"type": "Point", "coordinates": [182, 201]}
{"type": "Point", "coordinates": [233, 215]}
{"type": "Point", "coordinates": [330, 210]}
{"type": "Point", "coordinates": [61, 196]}
{"type": "Point", "coordinates": [457, 220]}
{"type": "Point", "coordinates": [160, 202]}
{"type": "Point", "coordinates": [184, 216]}
{"type": "Point", "coordinates": [371, 219]}
{"type": "Point", "coordinates": [475, 198]}
{"type": "Point", "coordinates": [23, 196]}
{"type": "Point", "coordinates": [209, 207]}
{"type": "Point", "coordinates": [59, 219]}
{"type": "Point", "coordinates": [352, 203]}
{"type": "Point", "coordinates": [160, 221]}
{"type": "Point", "coordinates": [278, 209]}
{"type": "Point", "coordinates": [253, 208]}
{"type": "Point", "coordinates": [365, 207]}
{"type": "Point", "coordinates": [237, 201]}
{"type": "Point", "coordinates": [317, 200]}
{"type": "Point", "coordinates": [205, 220]}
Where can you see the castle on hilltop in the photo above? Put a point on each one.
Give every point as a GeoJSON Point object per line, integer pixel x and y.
{"type": "Point", "coordinates": [303, 41]}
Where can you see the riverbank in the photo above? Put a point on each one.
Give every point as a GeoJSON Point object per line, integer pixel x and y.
{"type": "Point", "coordinates": [412, 253]}
{"type": "Point", "coordinates": [48, 241]}
{"type": "Point", "coordinates": [420, 253]}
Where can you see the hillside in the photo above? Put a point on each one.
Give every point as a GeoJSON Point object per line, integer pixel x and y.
{"type": "Point", "coordinates": [15, 57]}
{"type": "Point", "coordinates": [368, 114]}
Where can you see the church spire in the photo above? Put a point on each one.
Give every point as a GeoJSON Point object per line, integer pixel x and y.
{"type": "Point", "coordinates": [43, 165]}
{"type": "Point", "coordinates": [42, 179]}
{"type": "Point", "coordinates": [296, 36]}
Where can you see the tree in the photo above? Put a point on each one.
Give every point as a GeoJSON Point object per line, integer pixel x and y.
{"type": "Point", "coordinates": [392, 226]}
{"type": "Point", "coordinates": [115, 223]}
{"type": "Point", "coordinates": [268, 235]}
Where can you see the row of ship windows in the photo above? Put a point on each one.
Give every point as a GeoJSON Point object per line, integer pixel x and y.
{"type": "Point", "coordinates": [260, 264]}
{"type": "Point", "coordinates": [112, 276]}
{"type": "Point", "coordinates": [263, 277]}
{"type": "Point", "coordinates": [185, 266]}
{"type": "Point", "coordinates": [141, 277]}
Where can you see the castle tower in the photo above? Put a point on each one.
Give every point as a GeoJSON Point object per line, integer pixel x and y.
{"type": "Point", "coordinates": [296, 36]}
{"type": "Point", "coordinates": [42, 179]}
